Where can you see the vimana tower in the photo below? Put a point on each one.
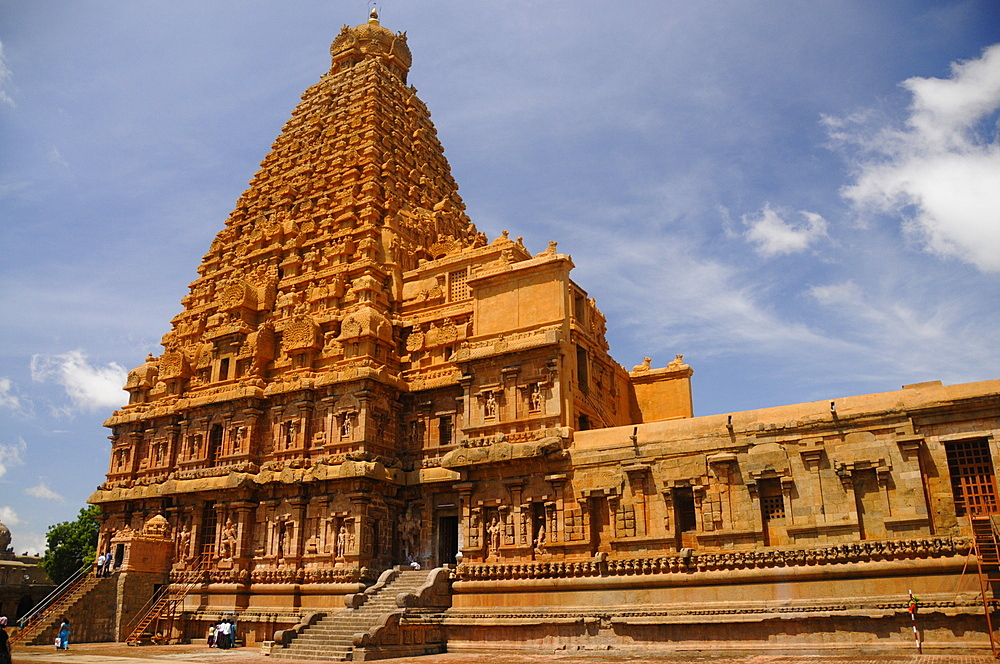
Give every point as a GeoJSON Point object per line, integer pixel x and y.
{"type": "Point", "coordinates": [360, 379]}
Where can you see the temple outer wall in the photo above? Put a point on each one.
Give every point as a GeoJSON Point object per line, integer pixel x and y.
{"type": "Point", "coordinates": [858, 604]}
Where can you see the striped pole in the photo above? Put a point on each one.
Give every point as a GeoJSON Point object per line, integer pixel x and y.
{"type": "Point", "coordinates": [913, 621]}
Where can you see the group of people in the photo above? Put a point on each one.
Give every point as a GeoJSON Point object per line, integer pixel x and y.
{"type": "Point", "coordinates": [103, 566]}
{"type": "Point", "coordinates": [222, 634]}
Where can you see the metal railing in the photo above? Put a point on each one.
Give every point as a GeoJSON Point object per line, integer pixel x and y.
{"type": "Point", "coordinates": [164, 603]}
{"type": "Point", "coordinates": [29, 622]}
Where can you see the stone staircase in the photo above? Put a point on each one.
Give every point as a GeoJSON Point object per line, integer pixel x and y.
{"type": "Point", "coordinates": [331, 638]}
{"type": "Point", "coordinates": [90, 607]}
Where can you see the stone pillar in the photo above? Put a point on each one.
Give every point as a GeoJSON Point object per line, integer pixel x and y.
{"type": "Point", "coordinates": [465, 402]}
{"type": "Point", "coordinates": [516, 488]}
{"type": "Point", "coordinates": [331, 432]}
{"type": "Point", "coordinates": [299, 504]}
{"type": "Point", "coordinates": [637, 480]}
{"type": "Point", "coordinates": [558, 482]}
{"type": "Point", "coordinates": [244, 529]}
{"type": "Point", "coordinates": [182, 452]}
{"type": "Point", "coordinates": [811, 459]}
{"type": "Point", "coordinates": [305, 409]}
{"type": "Point", "coordinates": [465, 525]}
{"type": "Point", "coordinates": [787, 484]}
{"type": "Point", "coordinates": [173, 442]}
{"type": "Point", "coordinates": [272, 532]}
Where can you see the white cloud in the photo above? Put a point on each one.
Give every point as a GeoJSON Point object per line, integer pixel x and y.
{"type": "Point", "coordinates": [9, 517]}
{"type": "Point", "coordinates": [12, 455]}
{"type": "Point", "coordinates": [56, 156]}
{"type": "Point", "coordinates": [772, 235]}
{"type": "Point", "coordinates": [30, 543]}
{"type": "Point", "coordinates": [5, 76]}
{"type": "Point", "coordinates": [7, 398]}
{"type": "Point", "coordinates": [88, 387]}
{"type": "Point", "coordinates": [42, 490]}
{"type": "Point", "coordinates": [941, 173]}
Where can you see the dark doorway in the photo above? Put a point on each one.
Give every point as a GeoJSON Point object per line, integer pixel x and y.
{"type": "Point", "coordinates": [119, 555]}
{"type": "Point", "coordinates": [539, 536]}
{"type": "Point", "coordinates": [447, 539]}
{"type": "Point", "coordinates": [600, 525]}
{"type": "Point", "coordinates": [23, 606]}
{"type": "Point", "coordinates": [685, 519]}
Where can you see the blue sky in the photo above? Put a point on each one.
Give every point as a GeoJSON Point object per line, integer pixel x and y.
{"type": "Point", "coordinates": [803, 198]}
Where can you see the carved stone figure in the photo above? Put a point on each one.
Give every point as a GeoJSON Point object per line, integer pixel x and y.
{"type": "Point", "coordinates": [228, 544]}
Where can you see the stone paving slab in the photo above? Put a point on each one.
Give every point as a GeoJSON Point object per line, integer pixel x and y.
{"type": "Point", "coordinates": [116, 653]}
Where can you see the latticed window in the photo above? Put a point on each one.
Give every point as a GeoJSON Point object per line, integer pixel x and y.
{"type": "Point", "coordinates": [971, 470]}
{"type": "Point", "coordinates": [773, 507]}
{"type": "Point", "coordinates": [458, 285]}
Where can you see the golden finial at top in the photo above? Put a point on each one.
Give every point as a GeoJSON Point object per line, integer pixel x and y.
{"type": "Point", "coordinates": [373, 15]}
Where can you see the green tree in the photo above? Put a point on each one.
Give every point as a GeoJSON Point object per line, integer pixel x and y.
{"type": "Point", "coordinates": [71, 544]}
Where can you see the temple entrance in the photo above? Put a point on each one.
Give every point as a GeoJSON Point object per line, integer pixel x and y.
{"type": "Point", "coordinates": [971, 470]}
{"type": "Point", "coordinates": [600, 525]}
{"type": "Point", "coordinates": [447, 540]}
{"type": "Point", "coordinates": [871, 506]}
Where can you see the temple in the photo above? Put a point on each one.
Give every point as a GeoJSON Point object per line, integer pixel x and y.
{"type": "Point", "coordinates": [359, 379]}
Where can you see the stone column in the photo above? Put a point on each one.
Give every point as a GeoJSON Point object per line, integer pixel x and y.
{"type": "Point", "coordinates": [305, 415]}
{"type": "Point", "coordinates": [516, 487]}
{"type": "Point", "coordinates": [637, 480]}
{"type": "Point", "coordinates": [331, 434]}
{"type": "Point", "coordinates": [787, 484]}
{"type": "Point", "coordinates": [558, 482]}
{"type": "Point", "coordinates": [465, 528]}
{"type": "Point", "coordinates": [173, 442]}
{"type": "Point", "coordinates": [811, 459]}
{"type": "Point", "coordinates": [299, 504]}
{"type": "Point", "coordinates": [244, 529]}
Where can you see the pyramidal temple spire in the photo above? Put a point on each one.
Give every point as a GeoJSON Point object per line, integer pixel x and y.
{"type": "Point", "coordinates": [354, 192]}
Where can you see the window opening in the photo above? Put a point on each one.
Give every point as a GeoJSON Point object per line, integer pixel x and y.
{"type": "Point", "coordinates": [458, 287]}
{"type": "Point", "coordinates": [444, 430]}
{"type": "Point", "coordinates": [209, 522]}
{"type": "Point", "coordinates": [971, 470]}
{"type": "Point", "coordinates": [582, 375]}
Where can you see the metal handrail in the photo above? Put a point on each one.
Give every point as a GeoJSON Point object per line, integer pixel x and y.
{"type": "Point", "coordinates": [52, 596]}
{"type": "Point", "coordinates": [146, 608]}
{"type": "Point", "coordinates": [189, 579]}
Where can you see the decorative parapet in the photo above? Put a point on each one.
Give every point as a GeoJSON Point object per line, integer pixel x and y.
{"type": "Point", "coordinates": [865, 551]}
{"type": "Point", "coordinates": [284, 637]}
{"type": "Point", "coordinates": [435, 593]}
{"type": "Point", "coordinates": [355, 600]}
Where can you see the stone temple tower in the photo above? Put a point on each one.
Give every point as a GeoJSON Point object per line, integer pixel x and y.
{"type": "Point", "coordinates": [358, 378]}
{"type": "Point", "coordinates": [350, 345]}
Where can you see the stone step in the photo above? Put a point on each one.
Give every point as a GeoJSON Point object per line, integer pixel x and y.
{"type": "Point", "coordinates": [319, 649]}
{"type": "Point", "coordinates": [331, 638]}
{"type": "Point", "coordinates": [331, 653]}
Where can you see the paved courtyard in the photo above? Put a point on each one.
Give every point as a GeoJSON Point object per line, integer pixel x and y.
{"type": "Point", "coordinates": [115, 653]}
